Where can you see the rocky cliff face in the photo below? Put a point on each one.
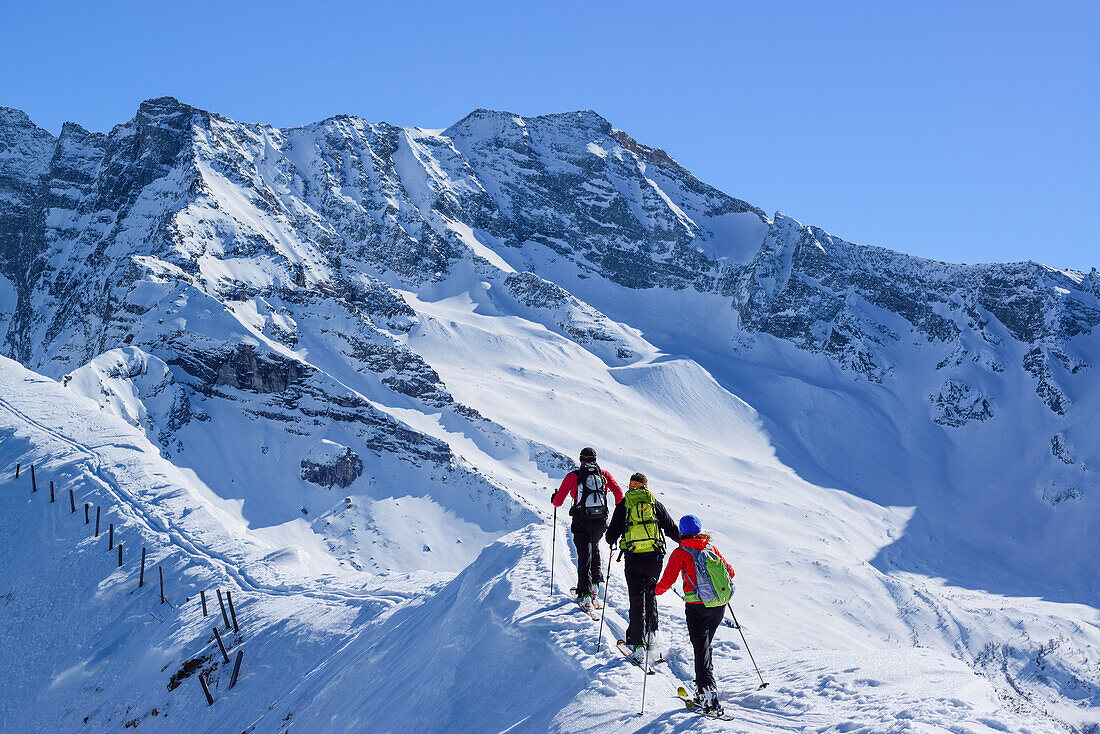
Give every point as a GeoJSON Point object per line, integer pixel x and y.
{"type": "Point", "coordinates": [329, 464]}
{"type": "Point", "coordinates": [275, 273]}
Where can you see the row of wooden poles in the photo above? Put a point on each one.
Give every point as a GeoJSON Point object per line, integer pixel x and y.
{"type": "Point", "coordinates": [221, 645]}
{"type": "Point", "coordinates": [228, 617]}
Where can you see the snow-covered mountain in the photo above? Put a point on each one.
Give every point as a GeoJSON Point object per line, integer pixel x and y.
{"type": "Point", "coordinates": [343, 363]}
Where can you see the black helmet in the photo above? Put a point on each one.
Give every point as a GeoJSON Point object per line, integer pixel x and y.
{"type": "Point", "coordinates": [588, 454]}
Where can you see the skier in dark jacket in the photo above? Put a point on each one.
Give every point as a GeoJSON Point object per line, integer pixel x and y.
{"type": "Point", "coordinates": [642, 522]}
{"type": "Point", "coordinates": [588, 487]}
{"type": "Point", "coordinates": [702, 621]}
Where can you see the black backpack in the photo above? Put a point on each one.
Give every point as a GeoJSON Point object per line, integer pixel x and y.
{"type": "Point", "coordinates": [591, 502]}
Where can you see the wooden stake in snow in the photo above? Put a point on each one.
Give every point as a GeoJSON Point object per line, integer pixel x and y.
{"type": "Point", "coordinates": [206, 690]}
{"type": "Point", "coordinates": [110, 536]}
{"type": "Point", "coordinates": [120, 554]}
{"type": "Point", "coordinates": [160, 570]}
{"type": "Point", "coordinates": [225, 617]}
{"type": "Point", "coordinates": [232, 611]}
{"type": "Point", "coordinates": [141, 576]}
{"type": "Point", "coordinates": [236, 669]}
{"type": "Point", "coordinates": [17, 467]}
{"type": "Point", "coordinates": [86, 519]}
{"type": "Point", "coordinates": [202, 595]}
{"type": "Point", "coordinates": [97, 508]}
{"type": "Point", "coordinates": [51, 491]}
{"type": "Point", "coordinates": [221, 646]}
{"type": "Point", "coordinates": [34, 482]}
{"type": "Point", "coordinates": [72, 502]}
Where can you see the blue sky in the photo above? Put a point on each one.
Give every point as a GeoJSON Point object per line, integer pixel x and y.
{"type": "Point", "coordinates": [961, 131]}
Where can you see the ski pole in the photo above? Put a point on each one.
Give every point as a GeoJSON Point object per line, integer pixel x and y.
{"type": "Point", "coordinates": [645, 677]}
{"type": "Point", "coordinates": [737, 624]}
{"type": "Point", "coordinates": [553, 550]}
{"type": "Point", "coordinates": [603, 609]}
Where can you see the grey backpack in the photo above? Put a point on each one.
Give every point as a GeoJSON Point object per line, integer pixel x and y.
{"type": "Point", "coordinates": [591, 495]}
{"type": "Point", "coordinates": [713, 586]}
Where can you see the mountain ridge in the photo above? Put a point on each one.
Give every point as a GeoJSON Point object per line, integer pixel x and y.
{"type": "Point", "coordinates": [662, 157]}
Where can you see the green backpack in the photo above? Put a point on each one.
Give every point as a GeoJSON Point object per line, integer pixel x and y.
{"type": "Point", "coordinates": [712, 580]}
{"type": "Point", "coordinates": [643, 534]}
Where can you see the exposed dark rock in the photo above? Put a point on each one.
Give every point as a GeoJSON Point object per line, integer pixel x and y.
{"type": "Point", "coordinates": [1037, 365]}
{"type": "Point", "coordinates": [1071, 365]}
{"type": "Point", "coordinates": [246, 369]}
{"type": "Point", "coordinates": [957, 404]}
{"type": "Point", "coordinates": [332, 465]}
{"type": "Point", "coordinates": [401, 369]}
{"type": "Point", "coordinates": [535, 292]}
{"type": "Point", "coordinates": [1059, 449]}
{"type": "Point", "coordinates": [380, 302]}
{"type": "Point", "coordinates": [651, 155]}
{"type": "Point", "coordinates": [1056, 495]}
{"type": "Point", "coordinates": [547, 185]}
{"type": "Point", "coordinates": [575, 318]}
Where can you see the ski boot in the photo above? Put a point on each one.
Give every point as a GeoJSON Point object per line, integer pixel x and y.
{"type": "Point", "coordinates": [656, 644]}
{"type": "Point", "coordinates": [585, 600]}
{"type": "Point", "coordinates": [711, 704]}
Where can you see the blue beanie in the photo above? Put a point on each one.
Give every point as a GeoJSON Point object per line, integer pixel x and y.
{"type": "Point", "coordinates": [690, 525]}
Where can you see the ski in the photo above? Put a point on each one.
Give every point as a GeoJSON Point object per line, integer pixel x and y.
{"type": "Point", "coordinates": [682, 694]}
{"type": "Point", "coordinates": [621, 644]}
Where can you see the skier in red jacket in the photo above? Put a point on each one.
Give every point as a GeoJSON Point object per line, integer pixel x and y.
{"type": "Point", "coordinates": [588, 487]}
{"type": "Point", "coordinates": [702, 621]}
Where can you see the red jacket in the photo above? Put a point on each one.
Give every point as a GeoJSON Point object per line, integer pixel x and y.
{"type": "Point", "coordinates": [569, 488]}
{"type": "Point", "coordinates": [682, 562]}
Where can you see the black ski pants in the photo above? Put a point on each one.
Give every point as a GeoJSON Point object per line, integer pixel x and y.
{"type": "Point", "coordinates": [587, 535]}
{"type": "Point", "coordinates": [642, 572]}
{"type": "Point", "coordinates": [702, 623]}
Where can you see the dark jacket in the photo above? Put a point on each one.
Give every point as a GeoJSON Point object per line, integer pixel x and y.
{"type": "Point", "coordinates": [617, 528]}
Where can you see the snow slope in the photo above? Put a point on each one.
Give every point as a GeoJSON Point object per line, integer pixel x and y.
{"type": "Point", "coordinates": [472, 653]}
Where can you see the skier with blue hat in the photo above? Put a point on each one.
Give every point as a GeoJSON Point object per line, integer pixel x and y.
{"type": "Point", "coordinates": [708, 586]}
